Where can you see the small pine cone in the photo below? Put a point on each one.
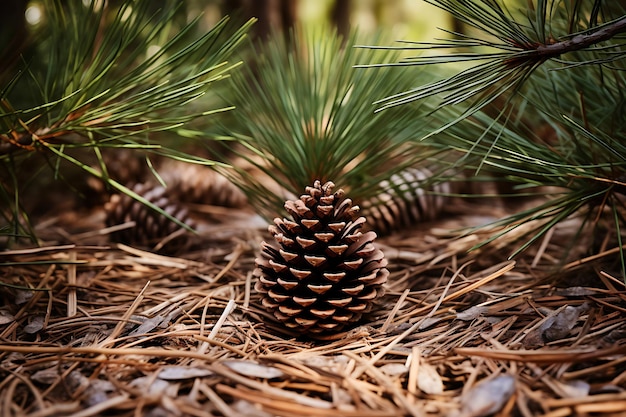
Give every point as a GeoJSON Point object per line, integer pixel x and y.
{"type": "Point", "coordinates": [123, 165]}
{"type": "Point", "coordinates": [325, 273]}
{"type": "Point", "coordinates": [404, 201]}
{"type": "Point", "coordinates": [150, 226]}
{"type": "Point", "coordinates": [192, 183]}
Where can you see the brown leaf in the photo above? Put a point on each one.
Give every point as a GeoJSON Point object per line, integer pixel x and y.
{"type": "Point", "coordinates": [556, 326]}
{"type": "Point", "coordinates": [472, 313]}
{"type": "Point", "coordinates": [563, 323]}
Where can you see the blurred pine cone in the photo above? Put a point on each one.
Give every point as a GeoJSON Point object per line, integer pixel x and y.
{"type": "Point", "coordinates": [186, 182]}
{"type": "Point", "coordinates": [192, 183]}
{"type": "Point", "coordinates": [150, 226]}
{"type": "Point", "coordinates": [405, 200]}
{"type": "Point", "coordinates": [325, 272]}
{"type": "Point", "coordinates": [125, 166]}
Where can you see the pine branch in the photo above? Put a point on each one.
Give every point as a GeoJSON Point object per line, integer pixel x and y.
{"type": "Point", "coordinates": [583, 170]}
{"type": "Point", "coordinates": [518, 50]}
{"type": "Point", "coordinates": [122, 90]}
{"type": "Point", "coordinates": [579, 41]}
{"type": "Point", "coordinates": [112, 78]}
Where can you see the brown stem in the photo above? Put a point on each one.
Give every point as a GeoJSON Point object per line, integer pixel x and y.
{"type": "Point", "coordinates": [579, 42]}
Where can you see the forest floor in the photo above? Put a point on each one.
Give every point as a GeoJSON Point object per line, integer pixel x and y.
{"type": "Point", "coordinates": [89, 327]}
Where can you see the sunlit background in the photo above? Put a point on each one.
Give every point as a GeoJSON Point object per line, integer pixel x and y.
{"type": "Point", "coordinates": [398, 19]}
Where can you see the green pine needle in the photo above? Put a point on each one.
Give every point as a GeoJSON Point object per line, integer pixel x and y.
{"type": "Point", "coordinates": [304, 112]}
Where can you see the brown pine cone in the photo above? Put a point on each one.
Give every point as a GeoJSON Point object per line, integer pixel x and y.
{"type": "Point", "coordinates": [150, 226]}
{"type": "Point", "coordinates": [192, 183]}
{"type": "Point", "coordinates": [404, 201]}
{"type": "Point", "coordinates": [325, 273]}
{"type": "Point", "coordinates": [126, 166]}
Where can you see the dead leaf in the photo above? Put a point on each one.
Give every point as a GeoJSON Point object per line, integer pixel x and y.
{"type": "Point", "coordinates": [556, 326]}
{"type": "Point", "coordinates": [394, 369]}
{"type": "Point", "coordinates": [428, 379]}
{"type": "Point", "coordinates": [46, 376]}
{"type": "Point", "coordinates": [330, 363]}
{"type": "Point", "coordinates": [98, 392]}
{"type": "Point", "coordinates": [429, 321]}
{"type": "Point", "coordinates": [35, 325]}
{"type": "Point", "coordinates": [253, 369]}
{"type": "Point", "coordinates": [155, 387]}
{"type": "Point", "coordinates": [22, 296]}
{"type": "Point", "coordinates": [76, 381]}
{"type": "Point", "coordinates": [246, 408]}
{"type": "Point", "coordinates": [488, 396]}
{"type": "Point", "coordinates": [563, 323]}
{"type": "Point", "coordinates": [574, 389]}
{"type": "Point", "coordinates": [6, 317]}
{"type": "Point", "coordinates": [147, 326]}
{"type": "Point", "coordinates": [182, 372]}
{"type": "Point", "coordinates": [472, 313]}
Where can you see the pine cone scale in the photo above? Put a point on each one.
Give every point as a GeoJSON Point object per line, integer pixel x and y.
{"type": "Point", "coordinates": [319, 289]}
{"type": "Point", "coordinates": [341, 302]}
{"type": "Point", "coordinates": [305, 243]}
{"type": "Point", "coordinates": [334, 276]}
{"type": "Point", "coordinates": [288, 256]}
{"type": "Point", "coordinates": [304, 302]}
{"type": "Point", "coordinates": [336, 250]}
{"type": "Point", "coordinates": [288, 285]}
{"type": "Point", "coordinates": [354, 290]}
{"type": "Point", "coordinates": [277, 267]}
{"type": "Point", "coordinates": [299, 273]}
{"type": "Point", "coordinates": [315, 260]}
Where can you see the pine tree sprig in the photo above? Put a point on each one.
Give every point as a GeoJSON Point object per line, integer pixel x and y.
{"type": "Point", "coordinates": [101, 76]}
{"type": "Point", "coordinates": [583, 171]}
{"type": "Point", "coordinates": [304, 113]}
{"type": "Point", "coordinates": [112, 94]}
{"type": "Point", "coordinates": [507, 51]}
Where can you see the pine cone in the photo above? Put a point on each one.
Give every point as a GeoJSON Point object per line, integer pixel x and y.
{"type": "Point", "coordinates": [123, 165]}
{"type": "Point", "coordinates": [326, 273]}
{"type": "Point", "coordinates": [192, 183]}
{"type": "Point", "coordinates": [405, 201]}
{"type": "Point", "coordinates": [150, 226]}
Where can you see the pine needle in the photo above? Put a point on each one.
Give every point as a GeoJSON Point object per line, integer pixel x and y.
{"type": "Point", "coordinates": [305, 113]}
